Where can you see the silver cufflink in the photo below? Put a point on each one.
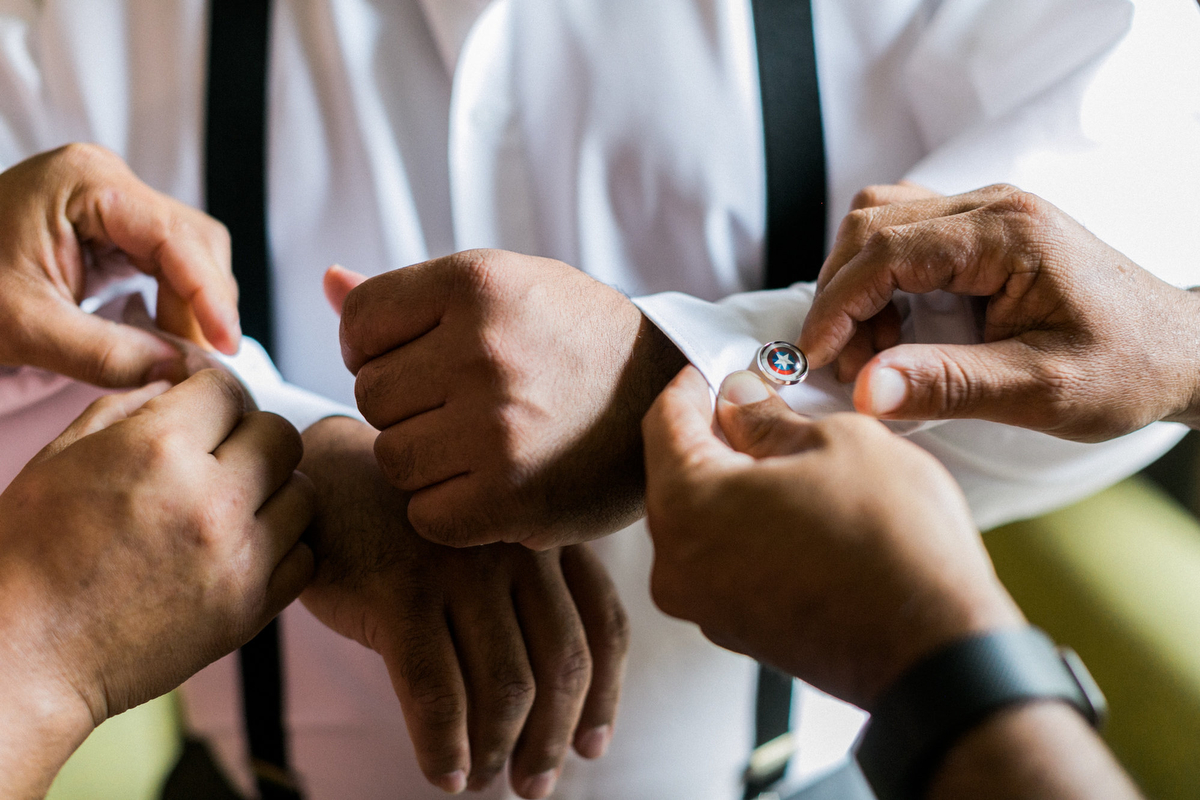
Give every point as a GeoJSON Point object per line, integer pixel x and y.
{"type": "Point", "coordinates": [782, 363]}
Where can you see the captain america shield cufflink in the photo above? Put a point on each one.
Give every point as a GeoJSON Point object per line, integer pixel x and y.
{"type": "Point", "coordinates": [782, 363]}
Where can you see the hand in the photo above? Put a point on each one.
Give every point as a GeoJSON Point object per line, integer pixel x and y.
{"type": "Point", "coordinates": [144, 543]}
{"type": "Point", "coordinates": [834, 550]}
{"type": "Point", "coordinates": [508, 390]}
{"type": "Point", "coordinates": [493, 650]}
{"type": "Point", "coordinates": [63, 210]}
{"type": "Point", "coordinates": [1079, 341]}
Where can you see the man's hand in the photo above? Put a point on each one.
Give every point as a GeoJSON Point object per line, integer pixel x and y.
{"type": "Point", "coordinates": [1079, 341]}
{"type": "Point", "coordinates": [493, 651]}
{"type": "Point", "coordinates": [508, 390]}
{"type": "Point", "coordinates": [834, 550]}
{"type": "Point", "coordinates": [62, 211]}
{"type": "Point", "coordinates": [157, 534]}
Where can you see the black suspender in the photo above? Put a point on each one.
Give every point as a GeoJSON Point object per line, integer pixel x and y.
{"type": "Point", "coordinates": [235, 182]}
{"type": "Point", "coordinates": [794, 141]}
{"type": "Point", "coordinates": [235, 150]}
{"type": "Point", "coordinates": [794, 144]}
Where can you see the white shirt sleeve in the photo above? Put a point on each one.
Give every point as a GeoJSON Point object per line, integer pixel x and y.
{"type": "Point", "coordinates": [271, 392]}
{"type": "Point", "coordinates": [1007, 473]}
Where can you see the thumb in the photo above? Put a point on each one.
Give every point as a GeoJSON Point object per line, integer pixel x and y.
{"type": "Point", "coordinates": [985, 381]}
{"type": "Point", "coordinates": [339, 282]}
{"type": "Point", "coordinates": [95, 350]}
{"type": "Point", "coordinates": [757, 422]}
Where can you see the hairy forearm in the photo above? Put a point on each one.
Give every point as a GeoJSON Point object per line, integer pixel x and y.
{"type": "Point", "coordinates": [1041, 751]}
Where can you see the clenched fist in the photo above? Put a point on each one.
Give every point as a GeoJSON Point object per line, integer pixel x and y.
{"type": "Point", "coordinates": [158, 533]}
{"type": "Point", "coordinates": [509, 391]}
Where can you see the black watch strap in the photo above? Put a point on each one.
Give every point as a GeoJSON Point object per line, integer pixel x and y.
{"type": "Point", "coordinates": [953, 690]}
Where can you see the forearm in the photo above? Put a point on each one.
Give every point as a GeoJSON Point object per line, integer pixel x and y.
{"type": "Point", "coordinates": [1043, 751]}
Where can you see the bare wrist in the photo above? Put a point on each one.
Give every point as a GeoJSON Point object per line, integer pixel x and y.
{"type": "Point", "coordinates": [950, 615]}
{"type": "Point", "coordinates": [1190, 415]}
{"type": "Point", "coordinates": [41, 724]}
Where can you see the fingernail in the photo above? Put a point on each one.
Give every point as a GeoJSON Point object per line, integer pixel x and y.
{"type": "Point", "coordinates": [539, 785]}
{"type": "Point", "coordinates": [888, 390]}
{"type": "Point", "coordinates": [593, 743]}
{"type": "Point", "coordinates": [453, 782]}
{"type": "Point", "coordinates": [743, 388]}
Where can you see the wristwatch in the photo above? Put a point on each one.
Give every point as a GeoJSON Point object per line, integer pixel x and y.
{"type": "Point", "coordinates": [951, 691]}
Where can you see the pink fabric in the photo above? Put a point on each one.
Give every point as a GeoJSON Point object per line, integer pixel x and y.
{"type": "Point", "coordinates": [35, 407]}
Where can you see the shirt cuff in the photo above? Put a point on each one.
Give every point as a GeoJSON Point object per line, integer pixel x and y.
{"type": "Point", "coordinates": [302, 408]}
{"type": "Point", "coordinates": [723, 337]}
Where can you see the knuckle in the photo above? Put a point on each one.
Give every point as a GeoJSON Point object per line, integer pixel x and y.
{"type": "Point", "coordinates": [289, 444]}
{"type": "Point", "coordinates": [352, 317]}
{"type": "Point", "coordinates": [868, 197]}
{"type": "Point", "coordinates": [398, 460]}
{"type": "Point", "coordinates": [571, 673]}
{"type": "Point", "coordinates": [226, 386]}
{"type": "Point", "coordinates": [510, 700]}
{"type": "Point", "coordinates": [438, 707]}
{"type": "Point", "coordinates": [85, 155]}
{"type": "Point", "coordinates": [883, 242]}
{"type": "Point", "coordinates": [857, 226]}
{"type": "Point", "coordinates": [615, 628]}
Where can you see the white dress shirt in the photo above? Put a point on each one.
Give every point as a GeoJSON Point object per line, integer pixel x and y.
{"type": "Point", "coordinates": [623, 137]}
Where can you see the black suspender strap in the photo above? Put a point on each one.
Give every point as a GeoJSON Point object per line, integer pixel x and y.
{"type": "Point", "coordinates": [794, 141]}
{"type": "Point", "coordinates": [235, 181]}
{"type": "Point", "coordinates": [794, 145]}
{"type": "Point", "coordinates": [235, 150]}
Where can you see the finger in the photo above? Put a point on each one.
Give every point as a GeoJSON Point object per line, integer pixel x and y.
{"type": "Point", "coordinates": [607, 628]}
{"type": "Point", "coordinates": [424, 451]}
{"type": "Point", "coordinates": [181, 246]}
{"type": "Point", "coordinates": [291, 576]}
{"type": "Point", "coordinates": [98, 351]}
{"type": "Point", "coordinates": [338, 283]}
{"type": "Point", "coordinates": [873, 336]}
{"type": "Point", "coordinates": [757, 422]}
{"type": "Point", "coordinates": [99, 415]}
{"type": "Point", "coordinates": [969, 253]}
{"type": "Point", "coordinates": [677, 430]}
{"type": "Point", "coordinates": [890, 194]}
{"type": "Point", "coordinates": [202, 411]}
{"type": "Point", "coordinates": [407, 381]}
{"type": "Point", "coordinates": [456, 512]}
{"type": "Point", "coordinates": [174, 316]}
{"type": "Point", "coordinates": [418, 650]}
{"type": "Point", "coordinates": [857, 227]}
{"type": "Point", "coordinates": [857, 352]}
{"type": "Point", "coordinates": [1001, 381]}
{"type": "Point", "coordinates": [393, 309]}
{"type": "Point", "coordinates": [260, 456]}
{"type": "Point", "coordinates": [280, 523]}
{"type": "Point", "coordinates": [562, 672]}
{"type": "Point", "coordinates": [498, 676]}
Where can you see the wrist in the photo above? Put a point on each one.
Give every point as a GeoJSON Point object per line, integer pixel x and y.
{"type": "Point", "coordinates": [1187, 408]}
{"type": "Point", "coordinates": [43, 720]}
{"type": "Point", "coordinates": [933, 620]}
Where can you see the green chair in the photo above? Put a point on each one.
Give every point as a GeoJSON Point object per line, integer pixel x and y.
{"type": "Point", "coordinates": [1117, 577]}
{"type": "Point", "coordinates": [126, 758]}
